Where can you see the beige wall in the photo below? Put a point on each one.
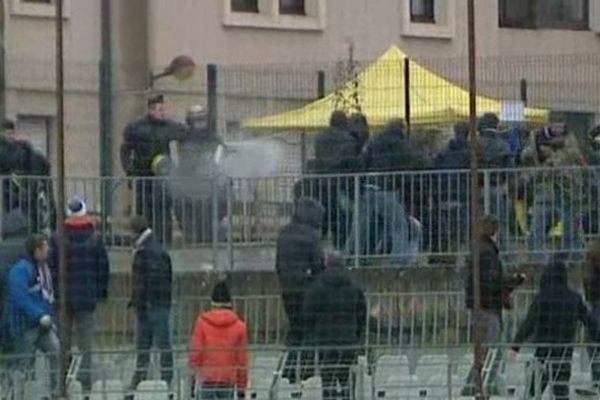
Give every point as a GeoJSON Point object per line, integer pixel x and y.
{"type": "Point", "coordinates": [371, 25]}
{"type": "Point", "coordinates": [149, 33]}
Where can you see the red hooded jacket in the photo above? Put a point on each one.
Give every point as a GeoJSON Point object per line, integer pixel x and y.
{"type": "Point", "coordinates": [219, 348]}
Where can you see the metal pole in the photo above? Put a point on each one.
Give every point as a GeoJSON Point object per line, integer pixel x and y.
{"type": "Point", "coordinates": [524, 92]}
{"type": "Point", "coordinates": [60, 172]}
{"type": "Point", "coordinates": [211, 93]}
{"type": "Point", "coordinates": [106, 112]}
{"type": "Point", "coordinates": [479, 349]}
{"type": "Point", "coordinates": [321, 84]}
{"type": "Point", "coordinates": [407, 110]}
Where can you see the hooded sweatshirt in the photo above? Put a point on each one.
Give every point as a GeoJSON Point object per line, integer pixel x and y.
{"type": "Point", "coordinates": [218, 349]}
{"type": "Point", "coordinates": [299, 255]}
{"type": "Point", "coordinates": [335, 311]}
{"type": "Point", "coordinates": [555, 313]}
{"type": "Point", "coordinates": [87, 265]}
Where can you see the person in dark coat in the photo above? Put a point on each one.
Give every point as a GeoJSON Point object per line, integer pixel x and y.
{"type": "Point", "coordinates": [391, 151]}
{"type": "Point", "coordinates": [553, 319]}
{"type": "Point", "coordinates": [495, 291]}
{"type": "Point", "coordinates": [32, 195]}
{"type": "Point", "coordinates": [299, 260]}
{"type": "Point", "coordinates": [335, 314]}
{"type": "Point", "coordinates": [451, 192]}
{"type": "Point", "coordinates": [592, 293]}
{"type": "Point", "coordinates": [145, 154]}
{"type": "Point", "coordinates": [496, 154]}
{"type": "Point", "coordinates": [151, 299]}
{"type": "Point", "coordinates": [197, 177]}
{"type": "Point", "coordinates": [87, 281]}
{"type": "Point", "coordinates": [359, 130]}
{"type": "Point", "coordinates": [335, 149]}
{"type": "Point", "coordinates": [335, 153]}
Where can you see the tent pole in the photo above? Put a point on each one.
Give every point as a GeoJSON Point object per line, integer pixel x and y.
{"type": "Point", "coordinates": [407, 95]}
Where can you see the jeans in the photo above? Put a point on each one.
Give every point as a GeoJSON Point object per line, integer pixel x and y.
{"type": "Point", "coordinates": [382, 226]}
{"type": "Point", "coordinates": [336, 368]}
{"type": "Point", "coordinates": [153, 327]}
{"type": "Point", "coordinates": [548, 210]}
{"type": "Point", "coordinates": [81, 325]}
{"type": "Point", "coordinates": [499, 209]}
{"type": "Point", "coordinates": [215, 391]}
{"type": "Point", "coordinates": [44, 340]}
{"type": "Point", "coordinates": [486, 329]}
{"type": "Point", "coordinates": [154, 202]}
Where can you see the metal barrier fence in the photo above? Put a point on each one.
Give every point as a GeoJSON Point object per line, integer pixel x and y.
{"type": "Point", "coordinates": [386, 218]}
{"type": "Point", "coordinates": [414, 320]}
{"type": "Point", "coordinates": [390, 374]}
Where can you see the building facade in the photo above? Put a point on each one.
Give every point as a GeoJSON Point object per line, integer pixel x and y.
{"type": "Point", "coordinates": [266, 49]}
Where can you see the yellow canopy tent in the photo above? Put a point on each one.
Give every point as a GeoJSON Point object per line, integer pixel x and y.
{"type": "Point", "coordinates": [380, 90]}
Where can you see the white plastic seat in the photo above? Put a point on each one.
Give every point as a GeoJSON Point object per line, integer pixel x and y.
{"type": "Point", "coordinates": [312, 388]}
{"type": "Point", "coordinates": [107, 390]}
{"type": "Point", "coordinates": [393, 378]}
{"type": "Point", "coordinates": [432, 376]}
{"type": "Point", "coordinates": [152, 390]}
{"type": "Point", "coordinates": [75, 390]}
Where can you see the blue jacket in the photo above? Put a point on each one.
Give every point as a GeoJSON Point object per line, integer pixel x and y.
{"type": "Point", "coordinates": [26, 299]}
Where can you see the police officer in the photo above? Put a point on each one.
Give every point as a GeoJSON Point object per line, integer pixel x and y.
{"type": "Point", "coordinates": [145, 154]}
{"type": "Point", "coordinates": [197, 178]}
{"type": "Point", "coordinates": [31, 195]}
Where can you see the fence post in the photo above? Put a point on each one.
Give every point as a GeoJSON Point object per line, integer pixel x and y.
{"type": "Point", "coordinates": [215, 223]}
{"type": "Point", "coordinates": [321, 84]}
{"type": "Point", "coordinates": [357, 202]}
{"type": "Point", "coordinates": [486, 192]}
{"type": "Point", "coordinates": [230, 223]}
{"type": "Point", "coordinates": [211, 94]}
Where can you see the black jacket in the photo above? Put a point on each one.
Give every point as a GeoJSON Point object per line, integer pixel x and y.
{"type": "Point", "coordinates": [556, 312]}
{"type": "Point", "coordinates": [299, 255]}
{"type": "Point", "coordinates": [19, 157]}
{"type": "Point", "coordinates": [152, 274]}
{"type": "Point", "coordinates": [391, 151]}
{"type": "Point", "coordinates": [493, 284]}
{"type": "Point", "coordinates": [86, 264]}
{"type": "Point", "coordinates": [335, 311]}
{"type": "Point", "coordinates": [335, 151]}
{"type": "Point", "coordinates": [145, 139]}
{"type": "Point", "coordinates": [456, 156]}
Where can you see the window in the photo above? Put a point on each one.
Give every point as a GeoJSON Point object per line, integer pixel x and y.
{"type": "Point", "coordinates": [293, 7]}
{"type": "Point", "coordinates": [298, 15]}
{"type": "Point", "coordinates": [35, 129]}
{"type": "Point", "coordinates": [544, 14]}
{"type": "Point", "coordinates": [422, 11]}
{"type": "Point", "coordinates": [39, 8]}
{"type": "Point", "coordinates": [429, 18]}
{"type": "Point", "coordinates": [244, 6]}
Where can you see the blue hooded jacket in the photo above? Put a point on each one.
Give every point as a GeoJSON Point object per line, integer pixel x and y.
{"type": "Point", "coordinates": [27, 301]}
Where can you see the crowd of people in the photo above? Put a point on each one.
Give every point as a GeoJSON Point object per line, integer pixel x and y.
{"type": "Point", "coordinates": [527, 201]}
{"type": "Point", "coordinates": [326, 310]}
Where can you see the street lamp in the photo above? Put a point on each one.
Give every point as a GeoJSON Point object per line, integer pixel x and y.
{"type": "Point", "coordinates": [181, 67]}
